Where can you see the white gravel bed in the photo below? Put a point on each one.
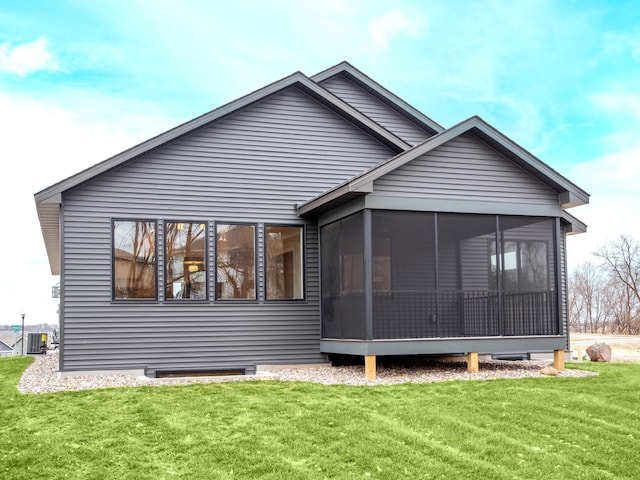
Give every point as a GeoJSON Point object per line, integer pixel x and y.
{"type": "Point", "coordinates": [41, 376]}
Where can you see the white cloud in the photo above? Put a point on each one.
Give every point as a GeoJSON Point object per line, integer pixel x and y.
{"type": "Point", "coordinates": [612, 180]}
{"type": "Point", "coordinates": [384, 27]}
{"type": "Point", "coordinates": [619, 43]}
{"type": "Point", "coordinates": [623, 103]}
{"type": "Point", "coordinates": [27, 58]}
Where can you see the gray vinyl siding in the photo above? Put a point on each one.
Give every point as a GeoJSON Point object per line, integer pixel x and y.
{"type": "Point", "coordinates": [253, 166]}
{"type": "Point", "coordinates": [465, 168]}
{"type": "Point", "coordinates": [375, 109]}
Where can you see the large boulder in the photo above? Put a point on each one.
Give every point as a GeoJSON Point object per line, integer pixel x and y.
{"type": "Point", "coordinates": [599, 352]}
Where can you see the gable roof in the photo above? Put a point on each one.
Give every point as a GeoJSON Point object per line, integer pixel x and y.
{"type": "Point", "coordinates": [570, 194]}
{"type": "Point", "coordinates": [4, 347]}
{"type": "Point", "coordinates": [48, 200]}
{"type": "Point", "coordinates": [51, 194]}
{"type": "Point", "coordinates": [381, 93]}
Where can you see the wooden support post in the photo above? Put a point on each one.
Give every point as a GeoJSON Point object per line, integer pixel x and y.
{"type": "Point", "coordinates": [558, 360]}
{"type": "Point", "coordinates": [472, 362]}
{"type": "Point", "coordinates": [370, 367]}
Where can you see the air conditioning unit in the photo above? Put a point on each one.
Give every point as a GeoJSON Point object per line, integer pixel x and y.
{"type": "Point", "coordinates": [36, 343]}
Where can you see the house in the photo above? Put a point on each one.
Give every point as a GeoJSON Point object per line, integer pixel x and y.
{"type": "Point", "coordinates": [315, 216]}
{"type": "Point", "coordinates": [6, 350]}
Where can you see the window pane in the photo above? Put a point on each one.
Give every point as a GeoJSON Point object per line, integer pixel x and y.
{"type": "Point", "coordinates": [235, 261]}
{"type": "Point", "coordinates": [510, 266]}
{"type": "Point", "coordinates": [493, 265]}
{"type": "Point", "coordinates": [185, 260]}
{"type": "Point", "coordinates": [533, 258]}
{"type": "Point", "coordinates": [134, 256]}
{"type": "Point", "coordinates": [284, 263]}
{"type": "Point", "coordinates": [528, 253]}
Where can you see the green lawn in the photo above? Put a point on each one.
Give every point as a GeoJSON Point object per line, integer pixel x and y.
{"type": "Point", "coordinates": [537, 428]}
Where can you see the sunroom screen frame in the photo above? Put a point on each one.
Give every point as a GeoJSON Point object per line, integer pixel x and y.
{"type": "Point", "coordinates": [370, 345]}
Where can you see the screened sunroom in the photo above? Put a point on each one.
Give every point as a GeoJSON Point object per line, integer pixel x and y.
{"type": "Point", "coordinates": [407, 277]}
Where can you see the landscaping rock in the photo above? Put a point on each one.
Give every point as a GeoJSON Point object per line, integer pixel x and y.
{"type": "Point", "coordinates": [599, 352]}
{"type": "Point", "coordinates": [549, 371]}
{"type": "Point", "coordinates": [41, 375]}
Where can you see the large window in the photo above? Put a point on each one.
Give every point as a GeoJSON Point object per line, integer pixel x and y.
{"type": "Point", "coordinates": [235, 261]}
{"type": "Point", "coordinates": [284, 262]}
{"type": "Point", "coordinates": [134, 259]}
{"type": "Point", "coordinates": [185, 261]}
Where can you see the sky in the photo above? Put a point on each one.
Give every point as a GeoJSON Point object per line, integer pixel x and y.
{"type": "Point", "coordinates": [81, 81]}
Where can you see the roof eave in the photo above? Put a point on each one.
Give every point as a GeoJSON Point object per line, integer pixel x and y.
{"type": "Point", "coordinates": [294, 79]}
{"type": "Point", "coordinates": [49, 217]}
{"type": "Point", "coordinates": [381, 93]}
{"type": "Point", "coordinates": [166, 137]}
{"type": "Point", "coordinates": [334, 197]}
{"type": "Point", "coordinates": [570, 199]}
{"type": "Point", "coordinates": [569, 195]}
{"type": "Point", "coordinates": [573, 226]}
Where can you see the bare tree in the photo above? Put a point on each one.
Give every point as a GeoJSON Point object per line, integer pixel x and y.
{"type": "Point", "coordinates": [621, 260]}
{"type": "Point", "coordinates": [623, 312]}
{"type": "Point", "coordinates": [588, 302]}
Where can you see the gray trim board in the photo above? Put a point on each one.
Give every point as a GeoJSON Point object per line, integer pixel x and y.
{"type": "Point", "coordinates": [61, 301]}
{"type": "Point", "coordinates": [558, 277]}
{"type": "Point", "coordinates": [443, 346]}
{"type": "Point", "coordinates": [460, 206]}
{"type": "Point", "coordinates": [341, 211]}
{"type": "Point", "coordinates": [437, 205]}
{"type": "Point", "coordinates": [368, 273]}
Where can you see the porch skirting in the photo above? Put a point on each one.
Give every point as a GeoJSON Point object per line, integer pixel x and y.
{"type": "Point", "coordinates": [444, 346]}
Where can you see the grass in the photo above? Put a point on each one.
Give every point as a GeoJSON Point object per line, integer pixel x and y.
{"type": "Point", "coordinates": [587, 428]}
